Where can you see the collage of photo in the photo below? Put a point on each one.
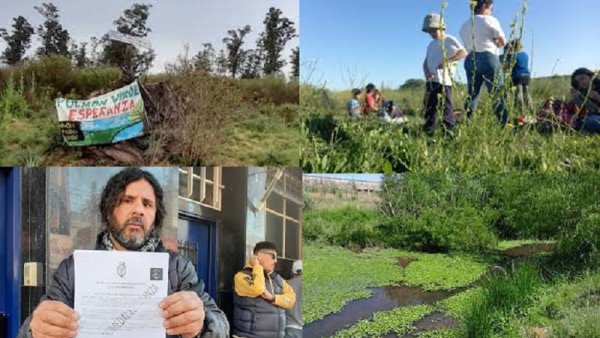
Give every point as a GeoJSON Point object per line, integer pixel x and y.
{"type": "Point", "coordinates": [178, 169]}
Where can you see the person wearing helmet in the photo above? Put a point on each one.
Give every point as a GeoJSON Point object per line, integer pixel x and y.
{"type": "Point", "coordinates": [439, 67]}
{"type": "Point", "coordinates": [483, 36]}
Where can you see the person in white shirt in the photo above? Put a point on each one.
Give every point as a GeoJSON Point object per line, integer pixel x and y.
{"type": "Point", "coordinates": [483, 36]}
{"type": "Point", "coordinates": [439, 67]}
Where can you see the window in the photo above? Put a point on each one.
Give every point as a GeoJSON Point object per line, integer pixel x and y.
{"type": "Point", "coordinates": [283, 211]}
{"type": "Point", "coordinates": [201, 186]}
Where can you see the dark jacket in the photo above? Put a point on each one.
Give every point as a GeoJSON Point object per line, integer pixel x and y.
{"type": "Point", "coordinates": [255, 317]}
{"type": "Point", "coordinates": [182, 277]}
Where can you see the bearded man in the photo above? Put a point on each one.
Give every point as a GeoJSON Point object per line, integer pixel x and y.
{"type": "Point", "coordinates": [132, 211]}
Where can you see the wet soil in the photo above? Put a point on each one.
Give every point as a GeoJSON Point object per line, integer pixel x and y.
{"type": "Point", "coordinates": [528, 250]}
{"type": "Point", "coordinates": [405, 261]}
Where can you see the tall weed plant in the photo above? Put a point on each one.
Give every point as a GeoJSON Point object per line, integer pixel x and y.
{"type": "Point", "coordinates": [12, 101]}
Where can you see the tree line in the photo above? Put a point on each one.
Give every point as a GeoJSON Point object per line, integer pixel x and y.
{"type": "Point", "coordinates": [234, 60]}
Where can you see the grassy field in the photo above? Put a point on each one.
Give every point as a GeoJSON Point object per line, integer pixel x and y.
{"type": "Point", "coordinates": [224, 121]}
{"type": "Point", "coordinates": [334, 143]}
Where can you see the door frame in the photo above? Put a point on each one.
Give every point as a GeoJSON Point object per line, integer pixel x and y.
{"type": "Point", "coordinates": [10, 247]}
{"type": "Point", "coordinates": [211, 286]}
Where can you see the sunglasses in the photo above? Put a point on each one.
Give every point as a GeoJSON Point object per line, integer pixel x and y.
{"type": "Point", "coordinates": [273, 256]}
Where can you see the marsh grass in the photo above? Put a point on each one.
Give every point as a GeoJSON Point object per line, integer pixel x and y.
{"type": "Point", "coordinates": [335, 276]}
{"type": "Point", "coordinates": [502, 297]}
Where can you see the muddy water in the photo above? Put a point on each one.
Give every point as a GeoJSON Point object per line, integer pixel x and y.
{"type": "Point", "coordinates": [383, 299]}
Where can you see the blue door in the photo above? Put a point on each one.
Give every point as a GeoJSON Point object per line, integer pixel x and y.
{"type": "Point", "coordinates": [198, 241]}
{"type": "Point", "coordinates": [10, 256]}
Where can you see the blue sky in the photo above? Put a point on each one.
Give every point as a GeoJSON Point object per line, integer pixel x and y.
{"type": "Point", "coordinates": [381, 40]}
{"type": "Point", "coordinates": [173, 23]}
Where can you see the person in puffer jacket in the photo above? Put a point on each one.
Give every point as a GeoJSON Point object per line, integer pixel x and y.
{"type": "Point", "coordinates": [261, 296]}
{"type": "Point", "coordinates": [132, 210]}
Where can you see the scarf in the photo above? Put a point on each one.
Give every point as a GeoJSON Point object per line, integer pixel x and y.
{"type": "Point", "coordinates": [149, 246]}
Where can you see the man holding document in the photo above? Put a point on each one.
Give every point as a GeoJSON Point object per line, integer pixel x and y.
{"type": "Point", "coordinates": [130, 286]}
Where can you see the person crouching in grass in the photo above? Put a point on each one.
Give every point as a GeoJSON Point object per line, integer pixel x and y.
{"type": "Point", "coordinates": [439, 66]}
{"type": "Point", "coordinates": [353, 106]}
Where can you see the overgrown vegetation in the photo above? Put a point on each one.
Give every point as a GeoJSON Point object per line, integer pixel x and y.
{"type": "Point", "coordinates": [398, 321]}
{"type": "Point", "coordinates": [549, 295]}
{"type": "Point", "coordinates": [502, 297]}
{"type": "Point", "coordinates": [209, 114]}
{"type": "Point", "coordinates": [334, 143]}
{"type": "Point", "coordinates": [331, 283]}
{"type": "Point", "coordinates": [471, 213]}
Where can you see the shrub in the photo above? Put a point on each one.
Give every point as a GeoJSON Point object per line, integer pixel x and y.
{"type": "Point", "coordinates": [462, 228]}
{"type": "Point", "coordinates": [208, 105]}
{"type": "Point", "coordinates": [346, 226]}
{"type": "Point", "coordinates": [270, 89]}
{"type": "Point", "coordinates": [502, 296]}
{"type": "Point", "coordinates": [540, 206]}
{"type": "Point", "coordinates": [314, 99]}
{"type": "Point", "coordinates": [580, 246]}
{"type": "Point", "coordinates": [49, 76]}
{"type": "Point", "coordinates": [88, 80]}
{"type": "Point", "coordinates": [12, 101]}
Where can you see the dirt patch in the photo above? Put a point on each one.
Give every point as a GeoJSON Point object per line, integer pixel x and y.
{"type": "Point", "coordinates": [357, 249]}
{"type": "Point", "coordinates": [528, 250]}
{"type": "Point", "coordinates": [405, 261]}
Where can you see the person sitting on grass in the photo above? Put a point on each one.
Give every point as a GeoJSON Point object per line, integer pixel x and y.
{"type": "Point", "coordinates": [585, 94]}
{"type": "Point", "coordinates": [439, 66]}
{"type": "Point", "coordinates": [391, 113]}
{"type": "Point", "coordinates": [582, 112]}
{"type": "Point", "coordinates": [370, 100]}
{"type": "Point", "coordinates": [378, 99]}
{"type": "Point", "coordinates": [516, 58]}
{"type": "Point", "coordinates": [353, 105]}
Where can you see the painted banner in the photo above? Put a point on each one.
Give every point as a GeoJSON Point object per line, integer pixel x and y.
{"type": "Point", "coordinates": [129, 39]}
{"type": "Point", "coordinates": [109, 118]}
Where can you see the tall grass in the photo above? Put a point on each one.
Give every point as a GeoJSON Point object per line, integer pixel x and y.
{"type": "Point", "coordinates": [346, 226]}
{"type": "Point", "coordinates": [502, 297]}
{"type": "Point", "coordinates": [12, 101]}
{"type": "Point", "coordinates": [271, 89]}
{"type": "Point", "coordinates": [334, 143]}
{"type": "Point", "coordinates": [204, 106]}
{"type": "Point", "coordinates": [54, 75]}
